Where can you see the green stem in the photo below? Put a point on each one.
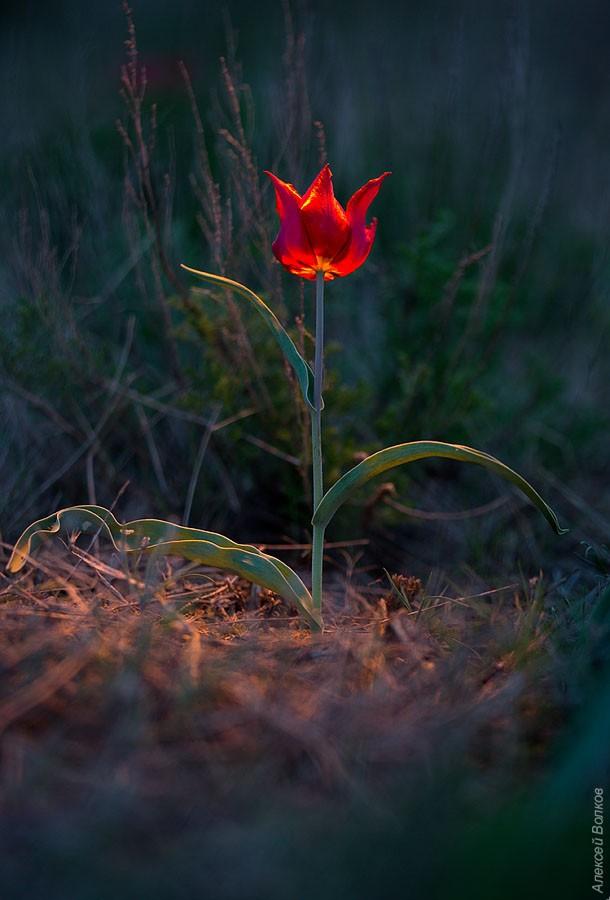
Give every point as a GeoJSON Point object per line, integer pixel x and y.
{"type": "Point", "coordinates": [317, 549]}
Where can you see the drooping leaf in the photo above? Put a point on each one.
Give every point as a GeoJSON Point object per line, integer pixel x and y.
{"type": "Point", "coordinates": [148, 535]}
{"type": "Point", "coordinates": [401, 454]}
{"type": "Point", "coordinates": [301, 368]}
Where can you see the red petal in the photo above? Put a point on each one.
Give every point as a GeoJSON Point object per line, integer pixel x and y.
{"type": "Point", "coordinates": [358, 205]}
{"type": "Point", "coordinates": [356, 252]}
{"type": "Point", "coordinates": [315, 184]}
{"type": "Point", "coordinates": [324, 218]}
{"type": "Point", "coordinates": [291, 247]}
{"type": "Point", "coordinates": [362, 235]}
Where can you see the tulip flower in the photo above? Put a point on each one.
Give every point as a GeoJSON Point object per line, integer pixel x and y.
{"type": "Point", "coordinates": [320, 240]}
{"type": "Point", "coordinates": [317, 234]}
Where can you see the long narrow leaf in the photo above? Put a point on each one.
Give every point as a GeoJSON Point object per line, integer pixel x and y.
{"type": "Point", "coordinates": [401, 454]}
{"type": "Point", "coordinates": [301, 368]}
{"type": "Point", "coordinates": [147, 535]}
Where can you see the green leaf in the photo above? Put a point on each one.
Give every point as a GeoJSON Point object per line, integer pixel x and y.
{"type": "Point", "coordinates": [301, 368]}
{"type": "Point", "coordinates": [147, 535]}
{"type": "Point", "coordinates": [402, 454]}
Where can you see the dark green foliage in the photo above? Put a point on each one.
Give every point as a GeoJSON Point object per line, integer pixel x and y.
{"type": "Point", "coordinates": [482, 278]}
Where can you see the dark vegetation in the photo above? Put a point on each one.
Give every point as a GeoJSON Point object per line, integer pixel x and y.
{"type": "Point", "coordinates": [166, 730]}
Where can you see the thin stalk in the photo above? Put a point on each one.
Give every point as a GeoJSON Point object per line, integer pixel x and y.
{"type": "Point", "coordinates": [317, 549]}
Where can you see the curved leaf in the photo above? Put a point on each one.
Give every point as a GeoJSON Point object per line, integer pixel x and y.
{"type": "Point", "coordinates": [301, 368]}
{"type": "Point", "coordinates": [146, 535]}
{"type": "Point", "coordinates": [401, 454]}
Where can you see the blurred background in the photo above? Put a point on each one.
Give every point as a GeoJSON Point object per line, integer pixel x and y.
{"type": "Point", "coordinates": [136, 140]}
{"type": "Point", "coordinates": [481, 317]}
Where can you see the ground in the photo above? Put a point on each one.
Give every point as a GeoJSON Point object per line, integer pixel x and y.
{"type": "Point", "coordinates": [167, 727]}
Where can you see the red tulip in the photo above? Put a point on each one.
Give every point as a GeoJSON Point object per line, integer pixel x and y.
{"type": "Point", "coordinates": [316, 233]}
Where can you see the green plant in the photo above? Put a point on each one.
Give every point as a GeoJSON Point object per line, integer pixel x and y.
{"type": "Point", "coordinates": [318, 240]}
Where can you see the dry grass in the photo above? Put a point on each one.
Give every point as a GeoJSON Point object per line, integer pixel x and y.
{"type": "Point", "coordinates": [160, 722]}
{"type": "Point", "coordinates": [226, 675]}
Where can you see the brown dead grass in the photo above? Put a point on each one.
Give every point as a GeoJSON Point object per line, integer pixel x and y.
{"type": "Point", "coordinates": [181, 676]}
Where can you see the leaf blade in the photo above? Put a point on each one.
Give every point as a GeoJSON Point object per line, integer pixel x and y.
{"type": "Point", "coordinates": [402, 454]}
{"type": "Point", "coordinates": [148, 535]}
{"type": "Point", "coordinates": [301, 368]}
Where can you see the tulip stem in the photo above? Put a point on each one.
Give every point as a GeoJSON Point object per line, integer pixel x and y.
{"type": "Point", "coordinates": [317, 549]}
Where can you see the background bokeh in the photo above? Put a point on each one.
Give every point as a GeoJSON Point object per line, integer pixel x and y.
{"type": "Point", "coordinates": [482, 316]}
